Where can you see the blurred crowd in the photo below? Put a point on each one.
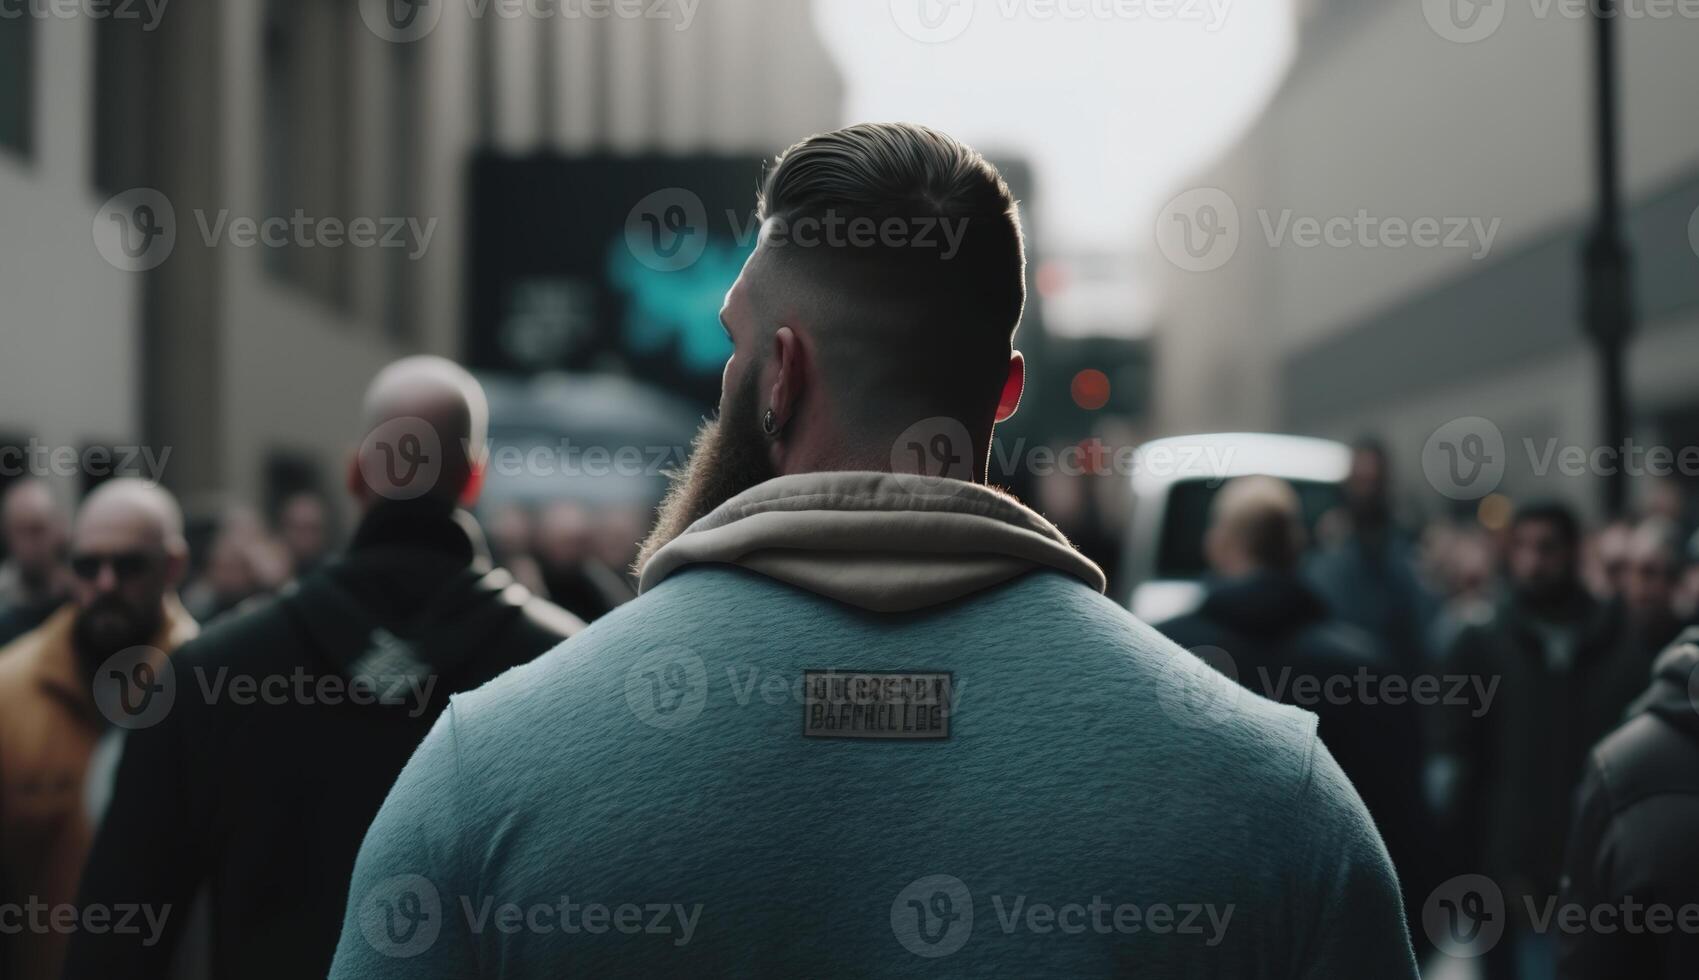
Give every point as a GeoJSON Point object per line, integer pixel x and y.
{"type": "Point", "coordinates": [577, 556]}
{"type": "Point", "coordinates": [1539, 634]}
{"type": "Point", "coordinates": [1534, 634]}
{"type": "Point", "coordinates": [348, 646]}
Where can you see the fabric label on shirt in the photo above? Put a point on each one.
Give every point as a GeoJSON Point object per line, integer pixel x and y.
{"type": "Point", "coordinates": [876, 704]}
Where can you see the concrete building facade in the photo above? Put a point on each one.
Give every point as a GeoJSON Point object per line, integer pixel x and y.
{"type": "Point", "coordinates": [1402, 121]}
{"type": "Point", "coordinates": [271, 128]}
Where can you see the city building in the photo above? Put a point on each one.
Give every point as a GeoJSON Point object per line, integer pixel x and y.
{"type": "Point", "coordinates": [1396, 242]}
{"type": "Point", "coordinates": [210, 208]}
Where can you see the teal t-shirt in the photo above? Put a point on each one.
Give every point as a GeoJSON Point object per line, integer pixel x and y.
{"type": "Point", "coordinates": [665, 794]}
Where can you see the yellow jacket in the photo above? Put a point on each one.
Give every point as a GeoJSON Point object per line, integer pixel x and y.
{"type": "Point", "coordinates": [49, 726]}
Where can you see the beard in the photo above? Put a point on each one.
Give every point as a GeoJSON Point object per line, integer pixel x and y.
{"type": "Point", "coordinates": [109, 624]}
{"type": "Point", "coordinates": [727, 457]}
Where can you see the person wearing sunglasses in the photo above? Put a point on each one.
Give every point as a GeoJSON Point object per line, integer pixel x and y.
{"type": "Point", "coordinates": [68, 691]}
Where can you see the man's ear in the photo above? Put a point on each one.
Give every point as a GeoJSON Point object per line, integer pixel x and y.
{"type": "Point", "coordinates": [1013, 385]}
{"type": "Point", "coordinates": [787, 383]}
{"type": "Point", "coordinates": [176, 566]}
{"type": "Point", "coordinates": [474, 483]}
{"type": "Point", "coordinates": [357, 480]}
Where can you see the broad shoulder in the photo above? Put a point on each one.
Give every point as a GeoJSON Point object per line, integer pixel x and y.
{"type": "Point", "coordinates": [257, 632]}
{"type": "Point", "coordinates": [596, 648]}
{"type": "Point", "coordinates": [16, 661]}
{"type": "Point", "coordinates": [1646, 757]}
{"type": "Point", "coordinates": [20, 660]}
{"type": "Point", "coordinates": [1224, 729]}
{"type": "Point", "coordinates": [1058, 637]}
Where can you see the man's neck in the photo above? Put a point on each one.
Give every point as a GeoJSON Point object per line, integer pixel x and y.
{"type": "Point", "coordinates": [919, 452]}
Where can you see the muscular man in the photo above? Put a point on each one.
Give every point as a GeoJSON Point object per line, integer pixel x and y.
{"type": "Point", "coordinates": [870, 717]}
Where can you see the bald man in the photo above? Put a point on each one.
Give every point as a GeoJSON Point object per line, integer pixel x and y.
{"type": "Point", "coordinates": [1268, 628]}
{"type": "Point", "coordinates": [34, 580]}
{"type": "Point", "coordinates": [869, 716]}
{"type": "Point", "coordinates": [293, 717]}
{"type": "Point", "coordinates": [84, 676]}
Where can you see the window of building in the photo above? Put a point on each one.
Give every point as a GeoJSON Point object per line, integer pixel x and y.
{"type": "Point", "coordinates": [123, 83]}
{"type": "Point", "coordinates": [307, 132]}
{"type": "Point", "coordinates": [17, 84]}
{"type": "Point", "coordinates": [406, 152]}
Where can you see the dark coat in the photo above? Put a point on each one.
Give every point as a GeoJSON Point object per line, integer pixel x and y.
{"type": "Point", "coordinates": [17, 620]}
{"type": "Point", "coordinates": [1369, 580]}
{"type": "Point", "coordinates": [1517, 763]}
{"type": "Point", "coordinates": [1277, 631]}
{"type": "Point", "coordinates": [1636, 832]}
{"type": "Point", "coordinates": [263, 792]}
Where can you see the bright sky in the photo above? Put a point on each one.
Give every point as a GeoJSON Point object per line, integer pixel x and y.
{"type": "Point", "coordinates": [1114, 102]}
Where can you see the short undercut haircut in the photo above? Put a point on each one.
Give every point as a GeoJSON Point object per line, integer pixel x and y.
{"type": "Point", "coordinates": [902, 246]}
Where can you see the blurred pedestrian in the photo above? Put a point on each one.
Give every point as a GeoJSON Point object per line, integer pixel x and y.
{"type": "Point", "coordinates": [1368, 573]}
{"type": "Point", "coordinates": [1686, 597]}
{"type": "Point", "coordinates": [34, 579]}
{"type": "Point", "coordinates": [1465, 570]}
{"type": "Point", "coordinates": [618, 532]}
{"type": "Point", "coordinates": [1263, 622]}
{"type": "Point", "coordinates": [512, 532]}
{"type": "Point", "coordinates": [1633, 850]}
{"type": "Point", "coordinates": [64, 690]}
{"type": "Point", "coordinates": [1604, 559]}
{"type": "Point", "coordinates": [1001, 726]}
{"type": "Point", "coordinates": [1550, 656]}
{"type": "Point", "coordinates": [303, 527]}
{"type": "Point", "coordinates": [1651, 573]}
{"type": "Point", "coordinates": [242, 562]}
{"type": "Point", "coordinates": [293, 717]}
{"type": "Point", "coordinates": [566, 556]}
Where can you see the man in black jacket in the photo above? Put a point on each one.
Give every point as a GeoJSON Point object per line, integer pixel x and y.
{"type": "Point", "coordinates": [1633, 860]}
{"type": "Point", "coordinates": [290, 720]}
{"type": "Point", "coordinates": [1650, 574]}
{"type": "Point", "coordinates": [1262, 624]}
{"type": "Point", "coordinates": [1562, 682]}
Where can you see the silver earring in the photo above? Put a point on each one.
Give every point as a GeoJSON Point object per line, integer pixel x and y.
{"type": "Point", "coordinates": [769, 424]}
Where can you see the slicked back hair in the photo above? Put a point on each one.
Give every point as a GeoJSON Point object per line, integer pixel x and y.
{"type": "Point", "coordinates": [919, 311]}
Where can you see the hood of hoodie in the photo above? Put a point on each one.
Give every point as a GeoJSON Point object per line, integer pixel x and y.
{"type": "Point", "coordinates": [1674, 696]}
{"type": "Point", "coordinates": [880, 541]}
{"type": "Point", "coordinates": [414, 596]}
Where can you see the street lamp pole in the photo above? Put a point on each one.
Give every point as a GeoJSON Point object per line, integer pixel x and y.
{"type": "Point", "coordinates": [1608, 302]}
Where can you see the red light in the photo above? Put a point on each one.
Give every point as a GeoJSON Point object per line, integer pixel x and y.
{"type": "Point", "coordinates": [1051, 279]}
{"type": "Point", "coordinates": [1090, 389]}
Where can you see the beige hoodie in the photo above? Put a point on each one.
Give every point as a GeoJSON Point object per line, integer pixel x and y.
{"type": "Point", "coordinates": [882, 541]}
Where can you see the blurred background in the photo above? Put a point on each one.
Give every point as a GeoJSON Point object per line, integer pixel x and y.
{"type": "Point", "coordinates": [1465, 233]}
{"type": "Point", "coordinates": [518, 141]}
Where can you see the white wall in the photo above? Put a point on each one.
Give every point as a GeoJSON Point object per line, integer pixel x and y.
{"type": "Point", "coordinates": [285, 369]}
{"type": "Point", "coordinates": [733, 76]}
{"type": "Point", "coordinates": [1384, 114]}
{"type": "Point", "coordinates": [295, 367]}
{"type": "Point", "coordinates": [68, 340]}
